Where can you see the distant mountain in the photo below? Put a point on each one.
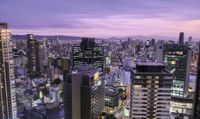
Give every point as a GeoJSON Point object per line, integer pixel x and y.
{"type": "Point", "coordinates": [142, 37]}
{"type": "Point", "coordinates": [23, 37]}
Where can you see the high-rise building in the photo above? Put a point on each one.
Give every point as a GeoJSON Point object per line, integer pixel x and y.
{"type": "Point", "coordinates": [42, 56]}
{"type": "Point", "coordinates": [33, 56]}
{"type": "Point", "coordinates": [178, 60]}
{"type": "Point", "coordinates": [8, 109]}
{"type": "Point", "coordinates": [196, 109]}
{"type": "Point", "coordinates": [150, 91]}
{"type": "Point", "coordinates": [181, 38]}
{"type": "Point", "coordinates": [84, 93]}
{"type": "Point", "coordinates": [88, 52]}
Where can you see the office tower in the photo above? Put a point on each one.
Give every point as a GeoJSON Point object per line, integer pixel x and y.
{"type": "Point", "coordinates": [178, 59]}
{"type": "Point", "coordinates": [84, 93]}
{"type": "Point", "coordinates": [88, 52]}
{"type": "Point", "coordinates": [8, 109]}
{"type": "Point", "coordinates": [196, 109]}
{"type": "Point", "coordinates": [150, 91]}
{"type": "Point", "coordinates": [181, 38]}
{"type": "Point", "coordinates": [33, 56]}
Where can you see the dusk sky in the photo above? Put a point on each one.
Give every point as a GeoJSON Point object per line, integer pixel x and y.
{"type": "Point", "coordinates": [102, 18]}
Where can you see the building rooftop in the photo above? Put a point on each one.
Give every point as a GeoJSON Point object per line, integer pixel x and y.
{"type": "Point", "coordinates": [111, 91]}
{"type": "Point", "coordinates": [150, 67]}
{"type": "Point", "coordinates": [88, 70]}
{"type": "Point", "coordinates": [149, 64]}
{"type": "Point", "coordinates": [3, 25]}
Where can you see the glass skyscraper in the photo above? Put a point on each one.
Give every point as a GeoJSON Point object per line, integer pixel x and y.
{"type": "Point", "coordinates": [88, 52]}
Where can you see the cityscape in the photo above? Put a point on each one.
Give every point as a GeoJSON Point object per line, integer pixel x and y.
{"type": "Point", "coordinates": [99, 59]}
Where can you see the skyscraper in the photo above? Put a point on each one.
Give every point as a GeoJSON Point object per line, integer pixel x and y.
{"type": "Point", "coordinates": [181, 38]}
{"type": "Point", "coordinates": [33, 56]}
{"type": "Point", "coordinates": [178, 59]}
{"type": "Point", "coordinates": [8, 109]}
{"type": "Point", "coordinates": [150, 91]}
{"type": "Point", "coordinates": [84, 93]}
{"type": "Point", "coordinates": [88, 52]}
{"type": "Point", "coordinates": [41, 56]}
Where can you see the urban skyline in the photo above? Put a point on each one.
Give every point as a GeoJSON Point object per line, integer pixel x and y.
{"type": "Point", "coordinates": [98, 59]}
{"type": "Point", "coordinates": [48, 78]}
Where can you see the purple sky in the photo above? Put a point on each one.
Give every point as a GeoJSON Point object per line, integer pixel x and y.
{"type": "Point", "coordinates": [102, 18]}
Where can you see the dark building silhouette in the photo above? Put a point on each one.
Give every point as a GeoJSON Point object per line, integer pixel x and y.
{"type": "Point", "coordinates": [33, 56]}
{"type": "Point", "coordinates": [181, 38]}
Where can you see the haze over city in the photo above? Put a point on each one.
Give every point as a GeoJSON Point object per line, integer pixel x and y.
{"type": "Point", "coordinates": [102, 18]}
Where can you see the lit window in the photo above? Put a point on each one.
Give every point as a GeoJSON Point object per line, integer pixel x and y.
{"type": "Point", "coordinates": [179, 52]}
{"type": "Point", "coordinates": [137, 77]}
{"type": "Point", "coordinates": [156, 82]}
{"type": "Point", "coordinates": [156, 77]}
{"type": "Point", "coordinates": [173, 62]}
{"type": "Point", "coordinates": [149, 77]}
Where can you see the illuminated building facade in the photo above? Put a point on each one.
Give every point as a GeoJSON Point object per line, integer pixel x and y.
{"type": "Point", "coordinates": [88, 52]}
{"type": "Point", "coordinates": [8, 109]}
{"type": "Point", "coordinates": [150, 91]}
{"type": "Point", "coordinates": [181, 108]}
{"type": "Point", "coordinates": [178, 59]}
{"type": "Point", "coordinates": [84, 93]}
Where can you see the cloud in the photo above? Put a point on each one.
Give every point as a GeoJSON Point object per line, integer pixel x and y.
{"type": "Point", "coordinates": [102, 17]}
